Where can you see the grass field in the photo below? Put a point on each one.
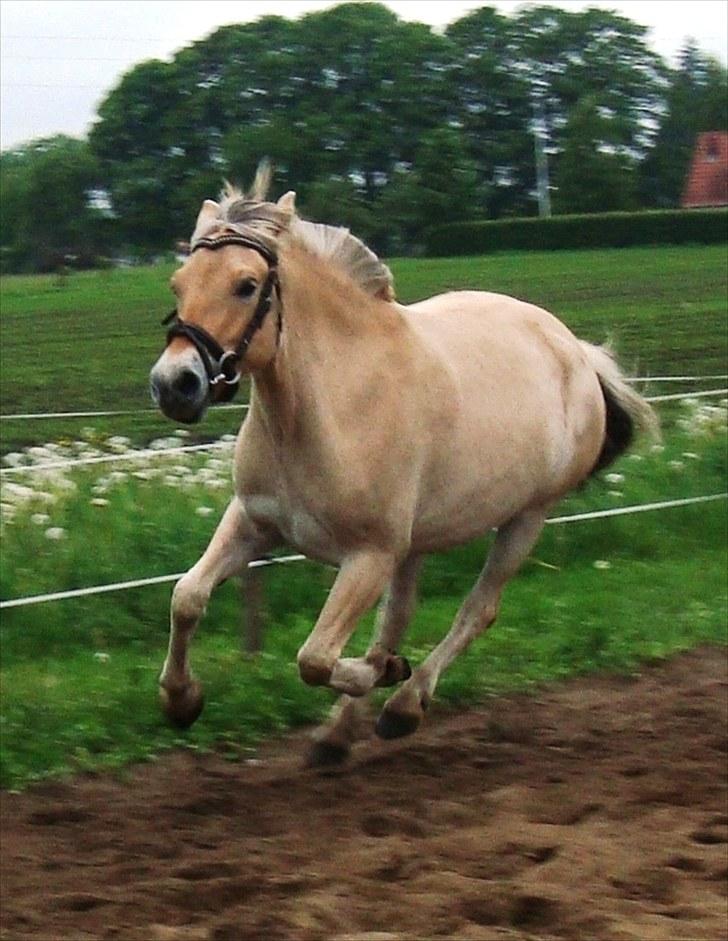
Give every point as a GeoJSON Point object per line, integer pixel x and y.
{"type": "Point", "coordinates": [79, 677]}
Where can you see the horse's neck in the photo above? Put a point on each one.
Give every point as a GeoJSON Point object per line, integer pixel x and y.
{"type": "Point", "coordinates": [332, 332]}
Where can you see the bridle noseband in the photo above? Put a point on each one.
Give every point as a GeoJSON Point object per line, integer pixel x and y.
{"type": "Point", "coordinates": [222, 365]}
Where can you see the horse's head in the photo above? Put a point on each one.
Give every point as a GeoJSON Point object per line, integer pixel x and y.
{"type": "Point", "coordinates": [228, 313]}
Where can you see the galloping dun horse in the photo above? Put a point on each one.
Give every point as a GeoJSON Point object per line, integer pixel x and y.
{"type": "Point", "coordinates": [376, 433]}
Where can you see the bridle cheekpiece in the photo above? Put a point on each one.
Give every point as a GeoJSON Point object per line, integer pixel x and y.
{"type": "Point", "coordinates": [222, 366]}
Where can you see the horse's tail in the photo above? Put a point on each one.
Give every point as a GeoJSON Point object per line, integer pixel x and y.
{"type": "Point", "coordinates": [627, 411]}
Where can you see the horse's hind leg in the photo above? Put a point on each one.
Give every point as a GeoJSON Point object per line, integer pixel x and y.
{"type": "Point", "coordinates": [234, 543]}
{"type": "Point", "coordinates": [349, 719]}
{"type": "Point", "coordinates": [514, 540]}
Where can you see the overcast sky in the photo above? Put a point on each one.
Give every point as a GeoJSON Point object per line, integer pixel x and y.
{"type": "Point", "coordinates": [59, 58]}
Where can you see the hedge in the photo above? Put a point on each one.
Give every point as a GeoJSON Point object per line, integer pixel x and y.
{"type": "Point", "coordinates": [598, 230]}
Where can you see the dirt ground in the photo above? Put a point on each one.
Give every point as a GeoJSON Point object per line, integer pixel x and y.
{"type": "Point", "coordinates": [593, 810]}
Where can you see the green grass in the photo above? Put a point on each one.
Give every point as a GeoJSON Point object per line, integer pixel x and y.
{"type": "Point", "coordinates": [78, 677]}
{"type": "Point", "coordinates": [89, 345]}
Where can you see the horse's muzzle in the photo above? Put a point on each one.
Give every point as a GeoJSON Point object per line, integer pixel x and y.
{"type": "Point", "coordinates": [181, 393]}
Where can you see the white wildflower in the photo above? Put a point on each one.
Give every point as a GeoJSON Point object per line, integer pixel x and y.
{"type": "Point", "coordinates": [204, 510]}
{"type": "Point", "coordinates": [614, 478]}
{"type": "Point", "coordinates": [99, 501]}
{"type": "Point", "coordinates": [119, 443]}
{"type": "Point", "coordinates": [102, 657]}
{"type": "Point", "coordinates": [636, 458]}
{"type": "Point", "coordinates": [17, 493]}
{"type": "Point", "coordinates": [117, 476]}
{"type": "Point", "coordinates": [181, 432]}
{"type": "Point", "coordinates": [602, 564]}
{"type": "Point", "coordinates": [691, 455]}
{"type": "Point", "coordinates": [55, 533]}
{"type": "Point", "coordinates": [615, 493]}
{"type": "Point", "coordinates": [676, 465]}
{"type": "Point", "coordinates": [40, 519]}
{"type": "Point", "coordinates": [45, 497]}
{"type": "Point", "coordinates": [657, 448]}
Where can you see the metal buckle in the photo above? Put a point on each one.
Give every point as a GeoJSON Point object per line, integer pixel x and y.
{"type": "Point", "coordinates": [222, 376]}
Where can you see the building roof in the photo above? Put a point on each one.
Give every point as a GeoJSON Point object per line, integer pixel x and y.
{"type": "Point", "coordinates": [707, 179]}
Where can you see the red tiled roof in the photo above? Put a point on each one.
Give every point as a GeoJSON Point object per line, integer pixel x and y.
{"type": "Point", "coordinates": [707, 180]}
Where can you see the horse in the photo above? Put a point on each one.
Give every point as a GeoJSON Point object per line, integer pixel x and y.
{"type": "Point", "coordinates": [376, 433]}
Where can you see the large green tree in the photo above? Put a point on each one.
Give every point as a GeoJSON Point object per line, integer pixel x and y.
{"type": "Point", "coordinates": [589, 177]}
{"type": "Point", "coordinates": [47, 206]}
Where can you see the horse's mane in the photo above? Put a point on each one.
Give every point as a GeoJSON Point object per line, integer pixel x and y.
{"type": "Point", "coordinates": [252, 214]}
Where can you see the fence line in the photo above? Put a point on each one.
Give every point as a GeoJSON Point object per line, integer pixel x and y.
{"type": "Point", "coordinates": [25, 416]}
{"type": "Point", "coordinates": [29, 416]}
{"type": "Point", "coordinates": [674, 378]}
{"type": "Point", "coordinates": [674, 396]}
{"type": "Point", "coordinates": [279, 560]}
{"type": "Point", "coordinates": [153, 452]}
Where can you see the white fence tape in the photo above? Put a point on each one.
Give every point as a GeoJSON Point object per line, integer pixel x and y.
{"type": "Point", "coordinates": [29, 416]}
{"type": "Point", "coordinates": [25, 416]}
{"type": "Point", "coordinates": [259, 563]}
{"type": "Point", "coordinates": [675, 378]}
{"type": "Point", "coordinates": [676, 396]}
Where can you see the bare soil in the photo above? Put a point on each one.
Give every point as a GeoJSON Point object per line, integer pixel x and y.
{"type": "Point", "coordinates": [592, 810]}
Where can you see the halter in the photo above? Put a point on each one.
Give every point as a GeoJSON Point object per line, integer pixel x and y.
{"type": "Point", "coordinates": [222, 365]}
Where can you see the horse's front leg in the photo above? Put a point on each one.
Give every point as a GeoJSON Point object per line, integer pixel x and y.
{"type": "Point", "coordinates": [349, 720]}
{"type": "Point", "coordinates": [361, 580]}
{"type": "Point", "coordinates": [235, 543]}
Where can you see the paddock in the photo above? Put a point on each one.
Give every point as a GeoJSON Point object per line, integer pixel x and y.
{"type": "Point", "coordinates": [592, 809]}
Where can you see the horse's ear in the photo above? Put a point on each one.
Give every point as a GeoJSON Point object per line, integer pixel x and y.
{"type": "Point", "coordinates": [287, 203]}
{"type": "Point", "coordinates": [209, 213]}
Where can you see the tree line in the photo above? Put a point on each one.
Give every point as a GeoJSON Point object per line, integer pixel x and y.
{"type": "Point", "coordinates": [381, 124]}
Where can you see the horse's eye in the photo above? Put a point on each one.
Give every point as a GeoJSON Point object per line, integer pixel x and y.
{"type": "Point", "coordinates": [246, 288]}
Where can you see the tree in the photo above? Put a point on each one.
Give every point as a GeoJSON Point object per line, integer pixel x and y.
{"type": "Point", "coordinates": [47, 208]}
{"type": "Point", "coordinates": [588, 177]}
{"type": "Point", "coordinates": [441, 185]}
{"type": "Point", "coordinates": [494, 109]}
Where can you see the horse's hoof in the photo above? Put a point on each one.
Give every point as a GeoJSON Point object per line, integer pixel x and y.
{"type": "Point", "coordinates": [396, 724]}
{"type": "Point", "coordinates": [396, 670]}
{"type": "Point", "coordinates": [326, 755]}
{"type": "Point", "coordinates": [182, 707]}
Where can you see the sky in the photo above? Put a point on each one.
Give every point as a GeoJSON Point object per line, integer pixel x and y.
{"type": "Point", "coordinates": [60, 58]}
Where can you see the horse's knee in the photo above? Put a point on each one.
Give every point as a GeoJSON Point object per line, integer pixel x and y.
{"type": "Point", "coordinates": [188, 601]}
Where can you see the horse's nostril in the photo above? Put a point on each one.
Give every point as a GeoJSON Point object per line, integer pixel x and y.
{"type": "Point", "coordinates": [188, 384]}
